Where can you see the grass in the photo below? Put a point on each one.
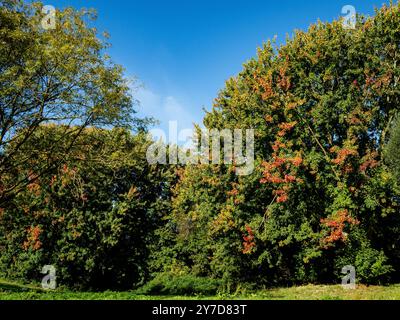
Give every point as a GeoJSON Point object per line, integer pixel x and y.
{"type": "Point", "coordinates": [13, 291]}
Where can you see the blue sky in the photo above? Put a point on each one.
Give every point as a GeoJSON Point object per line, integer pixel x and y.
{"type": "Point", "coordinates": [183, 51]}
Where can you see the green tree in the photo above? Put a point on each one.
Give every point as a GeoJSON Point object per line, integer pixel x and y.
{"type": "Point", "coordinates": [392, 150]}
{"type": "Point", "coordinates": [60, 76]}
{"type": "Point", "coordinates": [321, 196]}
{"type": "Point", "coordinates": [93, 218]}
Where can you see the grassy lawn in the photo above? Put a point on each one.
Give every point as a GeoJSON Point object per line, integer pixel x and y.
{"type": "Point", "coordinates": [12, 291]}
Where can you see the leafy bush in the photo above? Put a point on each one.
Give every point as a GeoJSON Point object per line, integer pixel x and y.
{"type": "Point", "coordinates": [371, 266]}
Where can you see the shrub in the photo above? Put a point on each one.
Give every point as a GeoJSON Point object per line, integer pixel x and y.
{"type": "Point", "coordinates": [371, 266]}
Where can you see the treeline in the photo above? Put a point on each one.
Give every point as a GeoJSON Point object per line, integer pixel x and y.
{"type": "Point", "coordinates": [81, 196]}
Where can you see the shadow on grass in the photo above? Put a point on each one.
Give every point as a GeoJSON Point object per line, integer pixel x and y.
{"type": "Point", "coordinates": [6, 286]}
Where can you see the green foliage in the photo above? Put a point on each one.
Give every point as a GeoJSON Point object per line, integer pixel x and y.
{"type": "Point", "coordinates": [93, 219]}
{"type": "Point", "coordinates": [371, 265]}
{"type": "Point", "coordinates": [392, 150]}
{"type": "Point", "coordinates": [85, 199]}
{"type": "Point", "coordinates": [321, 196]}
{"type": "Point", "coordinates": [60, 76]}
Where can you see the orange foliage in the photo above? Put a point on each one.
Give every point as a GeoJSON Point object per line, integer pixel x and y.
{"type": "Point", "coordinates": [248, 244]}
{"type": "Point", "coordinates": [274, 171]}
{"type": "Point", "coordinates": [33, 239]}
{"type": "Point", "coordinates": [267, 86]}
{"type": "Point", "coordinates": [296, 161]}
{"type": "Point", "coordinates": [284, 80]}
{"type": "Point", "coordinates": [370, 162]}
{"type": "Point", "coordinates": [278, 145]}
{"type": "Point", "coordinates": [233, 192]}
{"type": "Point", "coordinates": [282, 199]}
{"type": "Point", "coordinates": [343, 154]}
{"type": "Point", "coordinates": [337, 225]}
{"type": "Point", "coordinates": [269, 119]}
{"type": "Point", "coordinates": [34, 188]}
{"type": "Point", "coordinates": [285, 128]}
{"type": "Point", "coordinates": [53, 180]}
{"type": "Point", "coordinates": [354, 120]}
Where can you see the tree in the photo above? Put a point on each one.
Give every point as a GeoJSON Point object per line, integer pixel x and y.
{"type": "Point", "coordinates": [94, 218]}
{"type": "Point", "coordinates": [321, 197]}
{"type": "Point", "coordinates": [59, 76]}
{"type": "Point", "coordinates": [392, 150]}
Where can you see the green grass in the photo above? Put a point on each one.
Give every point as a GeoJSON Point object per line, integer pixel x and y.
{"type": "Point", "coordinates": [13, 291]}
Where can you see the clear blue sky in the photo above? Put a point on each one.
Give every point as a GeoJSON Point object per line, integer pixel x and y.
{"type": "Point", "coordinates": [184, 51]}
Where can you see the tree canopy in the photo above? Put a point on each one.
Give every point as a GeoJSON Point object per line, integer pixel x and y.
{"type": "Point", "coordinates": [324, 193]}
{"type": "Point", "coordinates": [60, 76]}
{"type": "Point", "coordinates": [322, 198]}
{"type": "Point", "coordinates": [94, 218]}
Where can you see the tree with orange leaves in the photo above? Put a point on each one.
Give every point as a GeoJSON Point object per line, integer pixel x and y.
{"type": "Point", "coordinates": [322, 105]}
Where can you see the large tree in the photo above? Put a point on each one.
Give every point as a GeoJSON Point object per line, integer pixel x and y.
{"type": "Point", "coordinates": [392, 149]}
{"type": "Point", "coordinates": [321, 197]}
{"type": "Point", "coordinates": [59, 75]}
